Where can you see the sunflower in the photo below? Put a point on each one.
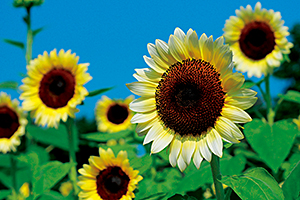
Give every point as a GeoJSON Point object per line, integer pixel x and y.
{"type": "Point", "coordinates": [190, 98]}
{"type": "Point", "coordinates": [113, 115]}
{"type": "Point", "coordinates": [12, 123]}
{"type": "Point", "coordinates": [258, 39]}
{"type": "Point", "coordinates": [108, 177]}
{"type": "Point", "coordinates": [54, 87]}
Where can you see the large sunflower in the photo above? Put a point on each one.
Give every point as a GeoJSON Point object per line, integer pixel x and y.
{"type": "Point", "coordinates": [190, 98]}
{"type": "Point", "coordinates": [258, 39]}
{"type": "Point", "coordinates": [113, 115]}
{"type": "Point", "coordinates": [108, 177]}
{"type": "Point", "coordinates": [12, 123]}
{"type": "Point", "coordinates": [54, 87]}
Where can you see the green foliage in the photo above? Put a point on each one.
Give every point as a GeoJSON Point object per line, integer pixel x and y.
{"type": "Point", "coordinates": [254, 184]}
{"type": "Point", "coordinates": [272, 144]}
{"type": "Point", "coordinates": [47, 175]}
{"type": "Point", "coordinates": [99, 91]}
{"type": "Point", "coordinates": [104, 137]}
{"type": "Point", "coordinates": [248, 84]}
{"type": "Point", "coordinates": [9, 85]}
{"type": "Point", "coordinates": [36, 31]}
{"type": "Point", "coordinates": [291, 95]}
{"type": "Point", "coordinates": [142, 164]}
{"type": "Point", "coordinates": [15, 43]}
{"type": "Point", "coordinates": [51, 195]}
{"type": "Point", "coordinates": [56, 137]}
{"type": "Point", "coordinates": [291, 186]}
{"type": "Point", "coordinates": [23, 175]}
{"type": "Point", "coordinates": [290, 164]}
{"type": "Point", "coordinates": [27, 3]}
{"type": "Point", "coordinates": [4, 193]}
{"type": "Point", "coordinates": [180, 197]}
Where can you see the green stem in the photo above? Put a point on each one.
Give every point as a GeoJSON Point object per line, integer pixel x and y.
{"type": "Point", "coordinates": [13, 175]}
{"type": "Point", "coordinates": [268, 99]}
{"type": "Point", "coordinates": [72, 155]}
{"type": "Point", "coordinates": [28, 55]}
{"type": "Point", "coordinates": [215, 169]}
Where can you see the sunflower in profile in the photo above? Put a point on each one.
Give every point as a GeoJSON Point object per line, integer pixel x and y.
{"type": "Point", "coordinates": [190, 98]}
{"type": "Point", "coordinates": [12, 123]}
{"type": "Point", "coordinates": [258, 39]}
{"type": "Point", "coordinates": [113, 115]}
{"type": "Point", "coordinates": [108, 177]}
{"type": "Point", "coordinates": [54, 87]}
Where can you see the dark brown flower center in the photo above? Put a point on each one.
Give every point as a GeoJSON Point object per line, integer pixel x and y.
{"type": "Point", "coordinates": [257, 40]}
{"type": "Point", "coordinates": [57, 88]}
{"type": "Point", "coordinates": [189, 97]}
{"type": "Point", "coordinates": [9, 122]}
{"type": "Point", "coordinates": [112, 183]}
{"type": "Point", "coordinates": [117, 113]}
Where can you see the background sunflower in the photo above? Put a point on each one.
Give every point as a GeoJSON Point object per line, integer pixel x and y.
{"type": "Point", "coordinates": [108, 177]}
{"type": "Point", "coordinates": [54, 87]}
{"type": "Point", "coordinates": [113, 115]}
{"type": "Point", "coordinates": [258, 39]}
{"type": "Point", "coordinates": [12, 123]}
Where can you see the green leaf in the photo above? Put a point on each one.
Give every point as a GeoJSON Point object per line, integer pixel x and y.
{"type": "Point", "coordinates": [289, 166]}
{"type": "Point", "coordinates": [9, 85]}
{"type": "Point", "coordinates": [36, 31]}
{"type": "Point", "coordinates": [291, 186]}
{"type": "Point", "coordinates": [51, 195]}
{"type": "Point", "coordinates": [4, 193]}
{"type": "Point", "coordinates": [31, 158]}
{"type": "Point", "coordinates": [22, 175]}
{"type": "Point", "coordinates": [100, 91]}
{"type": "Point", "coordinates": [15, 43]}
{"type": "Point", "coordinates": [5, 160]}
{"type": "Point", "coordinates": [141, 163]}
{"type": "Point", "coordinates": [248, 84]}
{"type": "Point", "coordinates": [254, 184]}
{"type": "Point", "coordinates": [104, 137]}
{"type": "Point", "coordinates": [180, 197]}
{"type": "Point", "coordinates": [194, 179]}
{"type": "Point", "coordinates": [45, 177]}
{"type": "Point", "coordinates": [228, 194]}
{"type": "Point", "coordinates": [231, 165]}
{"type": "Point", "coordinates": [227, 145]}
{"type": "Point", "coordinates": [56, 137]}
{"type": "Point", "coordinates": [291, 95]}
{"type": "Point", "coordinates": [272, 144]}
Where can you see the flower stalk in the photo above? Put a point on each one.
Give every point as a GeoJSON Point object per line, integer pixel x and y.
{"type": "Point", "coordinates": [215, 169]}
{"type": "Point", "coordinates": [268, 99]}
{"type": "Point", "coordinates": [29, 40]}
{"type": "Point", "coordinates": [13, 175]}
{"type": "Point", "coordinates": [72, 155]}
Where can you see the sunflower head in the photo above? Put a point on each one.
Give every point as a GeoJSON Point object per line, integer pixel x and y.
{"type": "Point", "coordinates": [108, 177]}
{"type": "Point", "coordinates": [113, 115]}
{"type": "Point", "coordinates": [12, 123]}
{"type": "Point", "coordinates": [190, 98]}
{"type": "Point", "coordinates": [258, 39]}
{"type": "Point", "coordinates": [54, 87]}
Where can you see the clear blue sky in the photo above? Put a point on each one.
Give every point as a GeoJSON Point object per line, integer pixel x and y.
{"type": "Point", "coordinates": [113, 35]}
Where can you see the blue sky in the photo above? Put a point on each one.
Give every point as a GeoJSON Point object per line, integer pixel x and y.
{"type": "Point", "coordinates": [112, 35]}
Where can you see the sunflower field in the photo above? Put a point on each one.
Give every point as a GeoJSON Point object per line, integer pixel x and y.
{"type": "Point", "coordinates": [195, 127]}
